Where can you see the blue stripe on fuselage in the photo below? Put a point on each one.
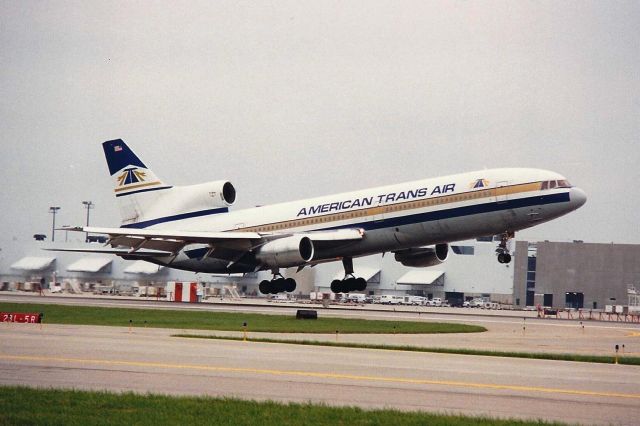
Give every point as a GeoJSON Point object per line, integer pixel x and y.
{"type": "Point", "coordinates": [436, 215]}
{"type": "Point", "coordinates": [459, 212]}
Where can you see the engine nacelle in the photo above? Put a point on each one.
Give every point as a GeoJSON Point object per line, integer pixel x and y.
{"type": "Point", "coordinates": [286, 252]}
{"type": "Point", "coordinates": [421, 257]}
{"type": "Point", "coordinates": [220, 193]}
{"type": "Point", "coordinates": [201, 196]}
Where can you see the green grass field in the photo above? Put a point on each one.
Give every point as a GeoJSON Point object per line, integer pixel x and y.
{"type": "Point", "coordinates": [26, 406]}
{"type": "Point", "coordinates": [602, 359]}
{"type": "Point", "coordinates": [225, 321]}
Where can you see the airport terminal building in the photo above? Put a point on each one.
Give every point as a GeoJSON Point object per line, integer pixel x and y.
{"type": "Point", "coordinates": [575, 275]}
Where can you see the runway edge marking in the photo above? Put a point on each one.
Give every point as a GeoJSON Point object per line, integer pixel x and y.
{"type": "Point", "coordinates": [323, 375]}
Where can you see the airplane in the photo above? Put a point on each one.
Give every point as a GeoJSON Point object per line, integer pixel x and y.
{"type": "Point", "coordinates": [191, 227]}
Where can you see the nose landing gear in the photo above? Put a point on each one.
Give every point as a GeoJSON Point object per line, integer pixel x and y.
{"type": "Point", "coordinates": [503, 251]}
{"type": "Point", "coordinates": [348, 284]}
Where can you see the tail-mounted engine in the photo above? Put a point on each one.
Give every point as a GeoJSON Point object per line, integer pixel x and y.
{"type": "Point", "coordinates": [179, 200]}
{"type": "Point", "coordinates": [206, 195]}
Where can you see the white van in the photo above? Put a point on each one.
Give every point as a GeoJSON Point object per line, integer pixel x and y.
{"type": "Point", "coordinates": [356, 297]}
{"type": "Point", "coordinates": [388, 299]}
{"type": "Point", "coordinates": [413, 300]}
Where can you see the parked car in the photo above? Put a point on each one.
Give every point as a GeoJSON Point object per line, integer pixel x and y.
{"type": "Point", "coordinates": [478, 302]}
{"type": "Point", "coordinates": [436, 301]}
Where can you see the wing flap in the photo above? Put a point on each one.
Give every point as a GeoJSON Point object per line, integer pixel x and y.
{"type": "Point", "coordinates": [149, 242]}
{"type": "Point", "coordinates": [117, 252]}
{"type": "Point", "coordinates": [190, 236]}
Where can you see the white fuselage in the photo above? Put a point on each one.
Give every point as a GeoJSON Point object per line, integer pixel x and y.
{"type": "Point", "coordinates": [396, 217]}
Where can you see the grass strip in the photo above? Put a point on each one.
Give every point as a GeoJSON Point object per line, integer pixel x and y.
{"type": "Point", "coordinates": [602, 359]}
{"type": "Point", "coordinates": [228, 321]}
{"type": "Point", "coordinates": [27, 406]}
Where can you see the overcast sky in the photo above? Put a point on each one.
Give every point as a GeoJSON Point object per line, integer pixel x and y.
{"type": "Point", "coordinates": [297, 99]}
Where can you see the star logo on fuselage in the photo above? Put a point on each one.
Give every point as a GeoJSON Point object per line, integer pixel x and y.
{"type": "Point", "coordinates": [479, 183]}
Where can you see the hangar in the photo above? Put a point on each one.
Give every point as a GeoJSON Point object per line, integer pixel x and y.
{"type": "Point", "coordinates": [555, 274]}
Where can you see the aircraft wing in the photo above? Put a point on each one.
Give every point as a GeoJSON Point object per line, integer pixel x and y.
{"type": "Point", "coordinates": [171, 242]}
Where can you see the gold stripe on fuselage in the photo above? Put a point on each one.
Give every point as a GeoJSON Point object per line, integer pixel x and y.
{"type": "Point", "coordinates": [397, 207]}
{"type": "Point", "coordinates": [141, 185]}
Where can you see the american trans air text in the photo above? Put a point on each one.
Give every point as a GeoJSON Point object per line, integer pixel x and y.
{"type": "Point", "coordinates": [382, 199]}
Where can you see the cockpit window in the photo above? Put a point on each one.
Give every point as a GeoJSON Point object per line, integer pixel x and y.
{"type": "Point", "coordinates": [551, 184]}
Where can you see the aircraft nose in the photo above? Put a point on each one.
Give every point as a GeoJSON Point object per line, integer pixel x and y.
{"type": "Point", "coordinates": [578, 197]}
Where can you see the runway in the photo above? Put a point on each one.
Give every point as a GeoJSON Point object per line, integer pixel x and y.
{"type": "Point", "coordinates": [507, 330]}
{"type": "Point", "coordinates": [150, 360]}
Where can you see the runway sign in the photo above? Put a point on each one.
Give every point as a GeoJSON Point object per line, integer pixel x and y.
{"type": "Point", "coordinates": [20, 317]}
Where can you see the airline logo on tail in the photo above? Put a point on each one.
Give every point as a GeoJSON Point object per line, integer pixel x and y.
{"type": "Point", "coordinates": [128, 171]}
{"type": "Point", "coordinates": [131, 175]}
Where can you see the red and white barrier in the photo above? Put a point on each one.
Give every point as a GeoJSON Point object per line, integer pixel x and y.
{"type": "Point", "coordinates": [182, 292]}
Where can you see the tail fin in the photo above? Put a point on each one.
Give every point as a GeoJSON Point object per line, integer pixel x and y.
{"type": "Point", "coordinates": [133, 181]}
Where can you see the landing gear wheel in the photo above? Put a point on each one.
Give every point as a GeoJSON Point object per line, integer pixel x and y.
{"type": "Point", "coordinates": [265, 287]}
{"type": "Point", "coordinates": [289, 285]}
{"type": "Point", "coordinates": [278, 285]}
{"type": "Point", "coordinates": [503, 250]}
{"type": "Point", "coordinates": [348, 285]}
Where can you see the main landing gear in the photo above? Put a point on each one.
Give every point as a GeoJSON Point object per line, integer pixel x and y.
{"type": "Point", "coordinates": [350, 282]}
{"type": "Point", "coordinates": [503, 250]}
{"type": "Point", "coordinates": [277, 285]}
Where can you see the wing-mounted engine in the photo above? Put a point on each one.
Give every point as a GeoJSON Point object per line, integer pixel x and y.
{"type": "Point", "coordinates": [421, 257]}
{"type": "Point", "coordinates": [286, 252]}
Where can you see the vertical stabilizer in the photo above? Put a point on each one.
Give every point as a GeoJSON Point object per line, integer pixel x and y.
{"type": "Point", "coordinates": [135, 186]}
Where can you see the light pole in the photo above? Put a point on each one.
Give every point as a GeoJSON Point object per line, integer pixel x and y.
{"type": "Point", "coordinates": [88, 205]}
{"type": "Point", "coordinates": [53, 211]}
